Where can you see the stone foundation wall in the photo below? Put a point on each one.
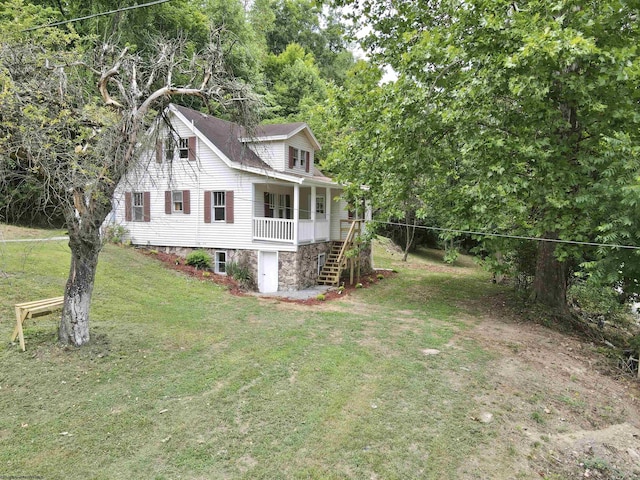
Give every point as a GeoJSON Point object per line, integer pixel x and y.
{"type": "Point", "coordinates": [296, 270]}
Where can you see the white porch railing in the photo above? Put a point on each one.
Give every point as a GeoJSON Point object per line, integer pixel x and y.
{"type": "Point", "coordinates": [273, 229]}
{"type": "Point", "coordinates": [282, 230]}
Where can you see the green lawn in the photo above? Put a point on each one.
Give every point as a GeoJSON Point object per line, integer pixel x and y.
{"type": "Point", "coordinates": [183, 380]}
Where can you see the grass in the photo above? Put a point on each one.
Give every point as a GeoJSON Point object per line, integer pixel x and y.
{"type": "Point", "coordinates": [183, 380]}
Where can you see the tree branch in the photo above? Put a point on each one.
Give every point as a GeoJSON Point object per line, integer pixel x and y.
{"type": "Point", "coordinates": [104, 80]}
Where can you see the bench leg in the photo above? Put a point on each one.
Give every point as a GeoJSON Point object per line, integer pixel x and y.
{"type": "Point", "coordinates": [17, 332]}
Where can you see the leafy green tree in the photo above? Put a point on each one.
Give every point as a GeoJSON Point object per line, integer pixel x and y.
{"type": "Point", "coordinates": [543, 100]}
{"type": "Point", "coordinates": [293, 80]}
{"type": "Point", "coordinates": [306, 23]}
{"type": "Point", "coordinates": [390, 138]}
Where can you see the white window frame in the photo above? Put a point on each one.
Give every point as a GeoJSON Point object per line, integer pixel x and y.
{"type": "Point", "coordinates": [322, 259]}
{"type": "Point", "coordinates": [219, 204]}
{"type": "Point", "coordinates": [177, 201]}
{"type": "Point", "coordinates": [296, 156]}
{"type": "Point", "coordinates": [137, 206]}
{"type": "Point", "coordinates": [321, 206]}
{"type": "Point", "coordinates": [282, 206]}
{"type": "Point", "coordinates": [220, 259]}
{"type": "Point", "coordinates": [303, 158]}
{"type": "Point", "coordinates": [183, 148]}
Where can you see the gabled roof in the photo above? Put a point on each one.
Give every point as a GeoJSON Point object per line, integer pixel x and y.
{"type": "Point", "coordinates": [228, 140]}
{"type": "Point", "coordinates": [281, 131]}
{"type": "Point", "coordinates": [224, 135]}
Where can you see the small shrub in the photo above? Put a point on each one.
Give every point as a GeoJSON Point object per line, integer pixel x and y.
{"type": "Point", "coordinates": [451, 255]}
{"type": "Point", "coordinates": [341, 289]}
{"type": "Point", "coordinates": [115, 234]}
{"type": "Point", "coordinates": [358, 285]}
{"type": "Point", "coordinates": [153, 252]}
{"type": "Point", "coordinates": [241, 273]}
{"type": "Point", "coordinates": [199, 259]}
{"type": "Point", "coordinates": [321, 297]}
{"type": "Point", "coordinates": [380, 276]}
{"type": "Point", "coordinates": [206, 274]}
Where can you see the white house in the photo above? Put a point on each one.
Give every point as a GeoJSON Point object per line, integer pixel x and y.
{"type": "Point", "coordinates": [256, 199]}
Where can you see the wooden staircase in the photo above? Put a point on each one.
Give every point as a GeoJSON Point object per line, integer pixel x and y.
{"type": "Point", "coordinates": [336, 260]}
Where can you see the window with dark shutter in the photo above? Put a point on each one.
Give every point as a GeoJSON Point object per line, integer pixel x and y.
{"type": "Point", "coordinates": [167, 202]}
{"type": "Point", "coordinates": [137, 209]}
{"type": "Point", "coordinates": [191, 143]}
{"type": "Point", "coordinates": [291, 157]}
{"type": "Point", "coordinates": [229, 206]}
{"type": "Point", "coordinates": [127, 207]}
{"type": "Point", "coordinates": [146, 207]}
{"type": "Point", "coordinates": [219, 206]}
{"type": "Point", "coordinates": [183, 147]}
{"type": "Point", "coordinates": [207, 207]}
{"type": "Point", "coordinates": [186, 202]}
{"type": "Point", "coordinates": [307, 164]}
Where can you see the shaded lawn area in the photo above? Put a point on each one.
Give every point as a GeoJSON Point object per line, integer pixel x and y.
{"type": "Point", "coordinates": [183, 380]}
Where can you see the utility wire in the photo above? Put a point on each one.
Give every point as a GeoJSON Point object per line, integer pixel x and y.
{"type": "Point", "coordinates": [55, 24]}
{"type": "Point", "coordinates": [517, 237]}
{"type": "Point", "coordinates": [453, 230]}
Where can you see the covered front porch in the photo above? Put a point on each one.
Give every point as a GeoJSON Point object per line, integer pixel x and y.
{"type": "Point", "coordinates": [292, 214]}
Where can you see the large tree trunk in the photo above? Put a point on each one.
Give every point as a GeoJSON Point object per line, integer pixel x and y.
{"type": "Point", "coordinates": [74, 325]}
{"type": "Point", "coordinates": [550, 282]}
{"type": "Point", "coordinates": [83, 223]}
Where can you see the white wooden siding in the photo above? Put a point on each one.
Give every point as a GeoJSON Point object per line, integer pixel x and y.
{"type": "Point", "coordinates": [272, 153]}
{"type": "Point", "coordinates": [210, 173]}
{"type": "Point", "coordinates": [338, 212]}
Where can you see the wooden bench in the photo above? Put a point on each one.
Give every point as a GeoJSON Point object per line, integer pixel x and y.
{"type": "Point", "coordinates": [33, 309]}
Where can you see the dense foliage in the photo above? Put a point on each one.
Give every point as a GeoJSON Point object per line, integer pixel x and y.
{"type": "Point", "coordinates": [534, 109]}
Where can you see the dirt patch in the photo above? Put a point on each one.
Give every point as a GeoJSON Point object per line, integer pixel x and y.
{"type": "Point", "coordinates": [561, 410]}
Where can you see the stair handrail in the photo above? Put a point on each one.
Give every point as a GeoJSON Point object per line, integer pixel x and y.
{"type": "Point", "coordinates": [353, 228]}
{"type": "Point", "coordinates": [347, 244]}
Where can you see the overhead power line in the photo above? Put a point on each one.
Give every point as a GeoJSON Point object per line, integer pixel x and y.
{"type": "Point", "coordinates": [517, 237]}
{"type": "Point", "coordinates": [111, 12]}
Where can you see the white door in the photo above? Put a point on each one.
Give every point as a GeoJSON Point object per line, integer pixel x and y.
{"type": "Point", "coordinates": [268, 272]}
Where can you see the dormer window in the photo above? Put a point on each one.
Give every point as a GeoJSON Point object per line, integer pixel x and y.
{"type": "Point", "coordinates": [299, 159]}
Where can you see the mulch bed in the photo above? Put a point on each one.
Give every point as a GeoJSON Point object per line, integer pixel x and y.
{"type": "Point", "coordinates": [177, 263]}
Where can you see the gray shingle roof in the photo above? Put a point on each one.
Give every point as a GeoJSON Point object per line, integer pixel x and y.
{"type": "Point", "coordinates": [224, 135]}
{"type": "Point", "coordinates": [277, 129]}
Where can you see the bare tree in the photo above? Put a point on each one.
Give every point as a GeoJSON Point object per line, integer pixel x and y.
{"type": "Point", "coordinates": [78, 125]}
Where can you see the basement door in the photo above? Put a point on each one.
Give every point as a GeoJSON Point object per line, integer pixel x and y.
{"type": "Point", "coordinates": [268, 272]}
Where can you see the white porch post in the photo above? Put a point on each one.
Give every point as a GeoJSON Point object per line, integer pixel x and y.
{"type": "Point", "coordinates": [296, 212]}
{"type": "Point", "coordinates": [327, 207]}
{"type": "Point", "coordinates": [313, 211]}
